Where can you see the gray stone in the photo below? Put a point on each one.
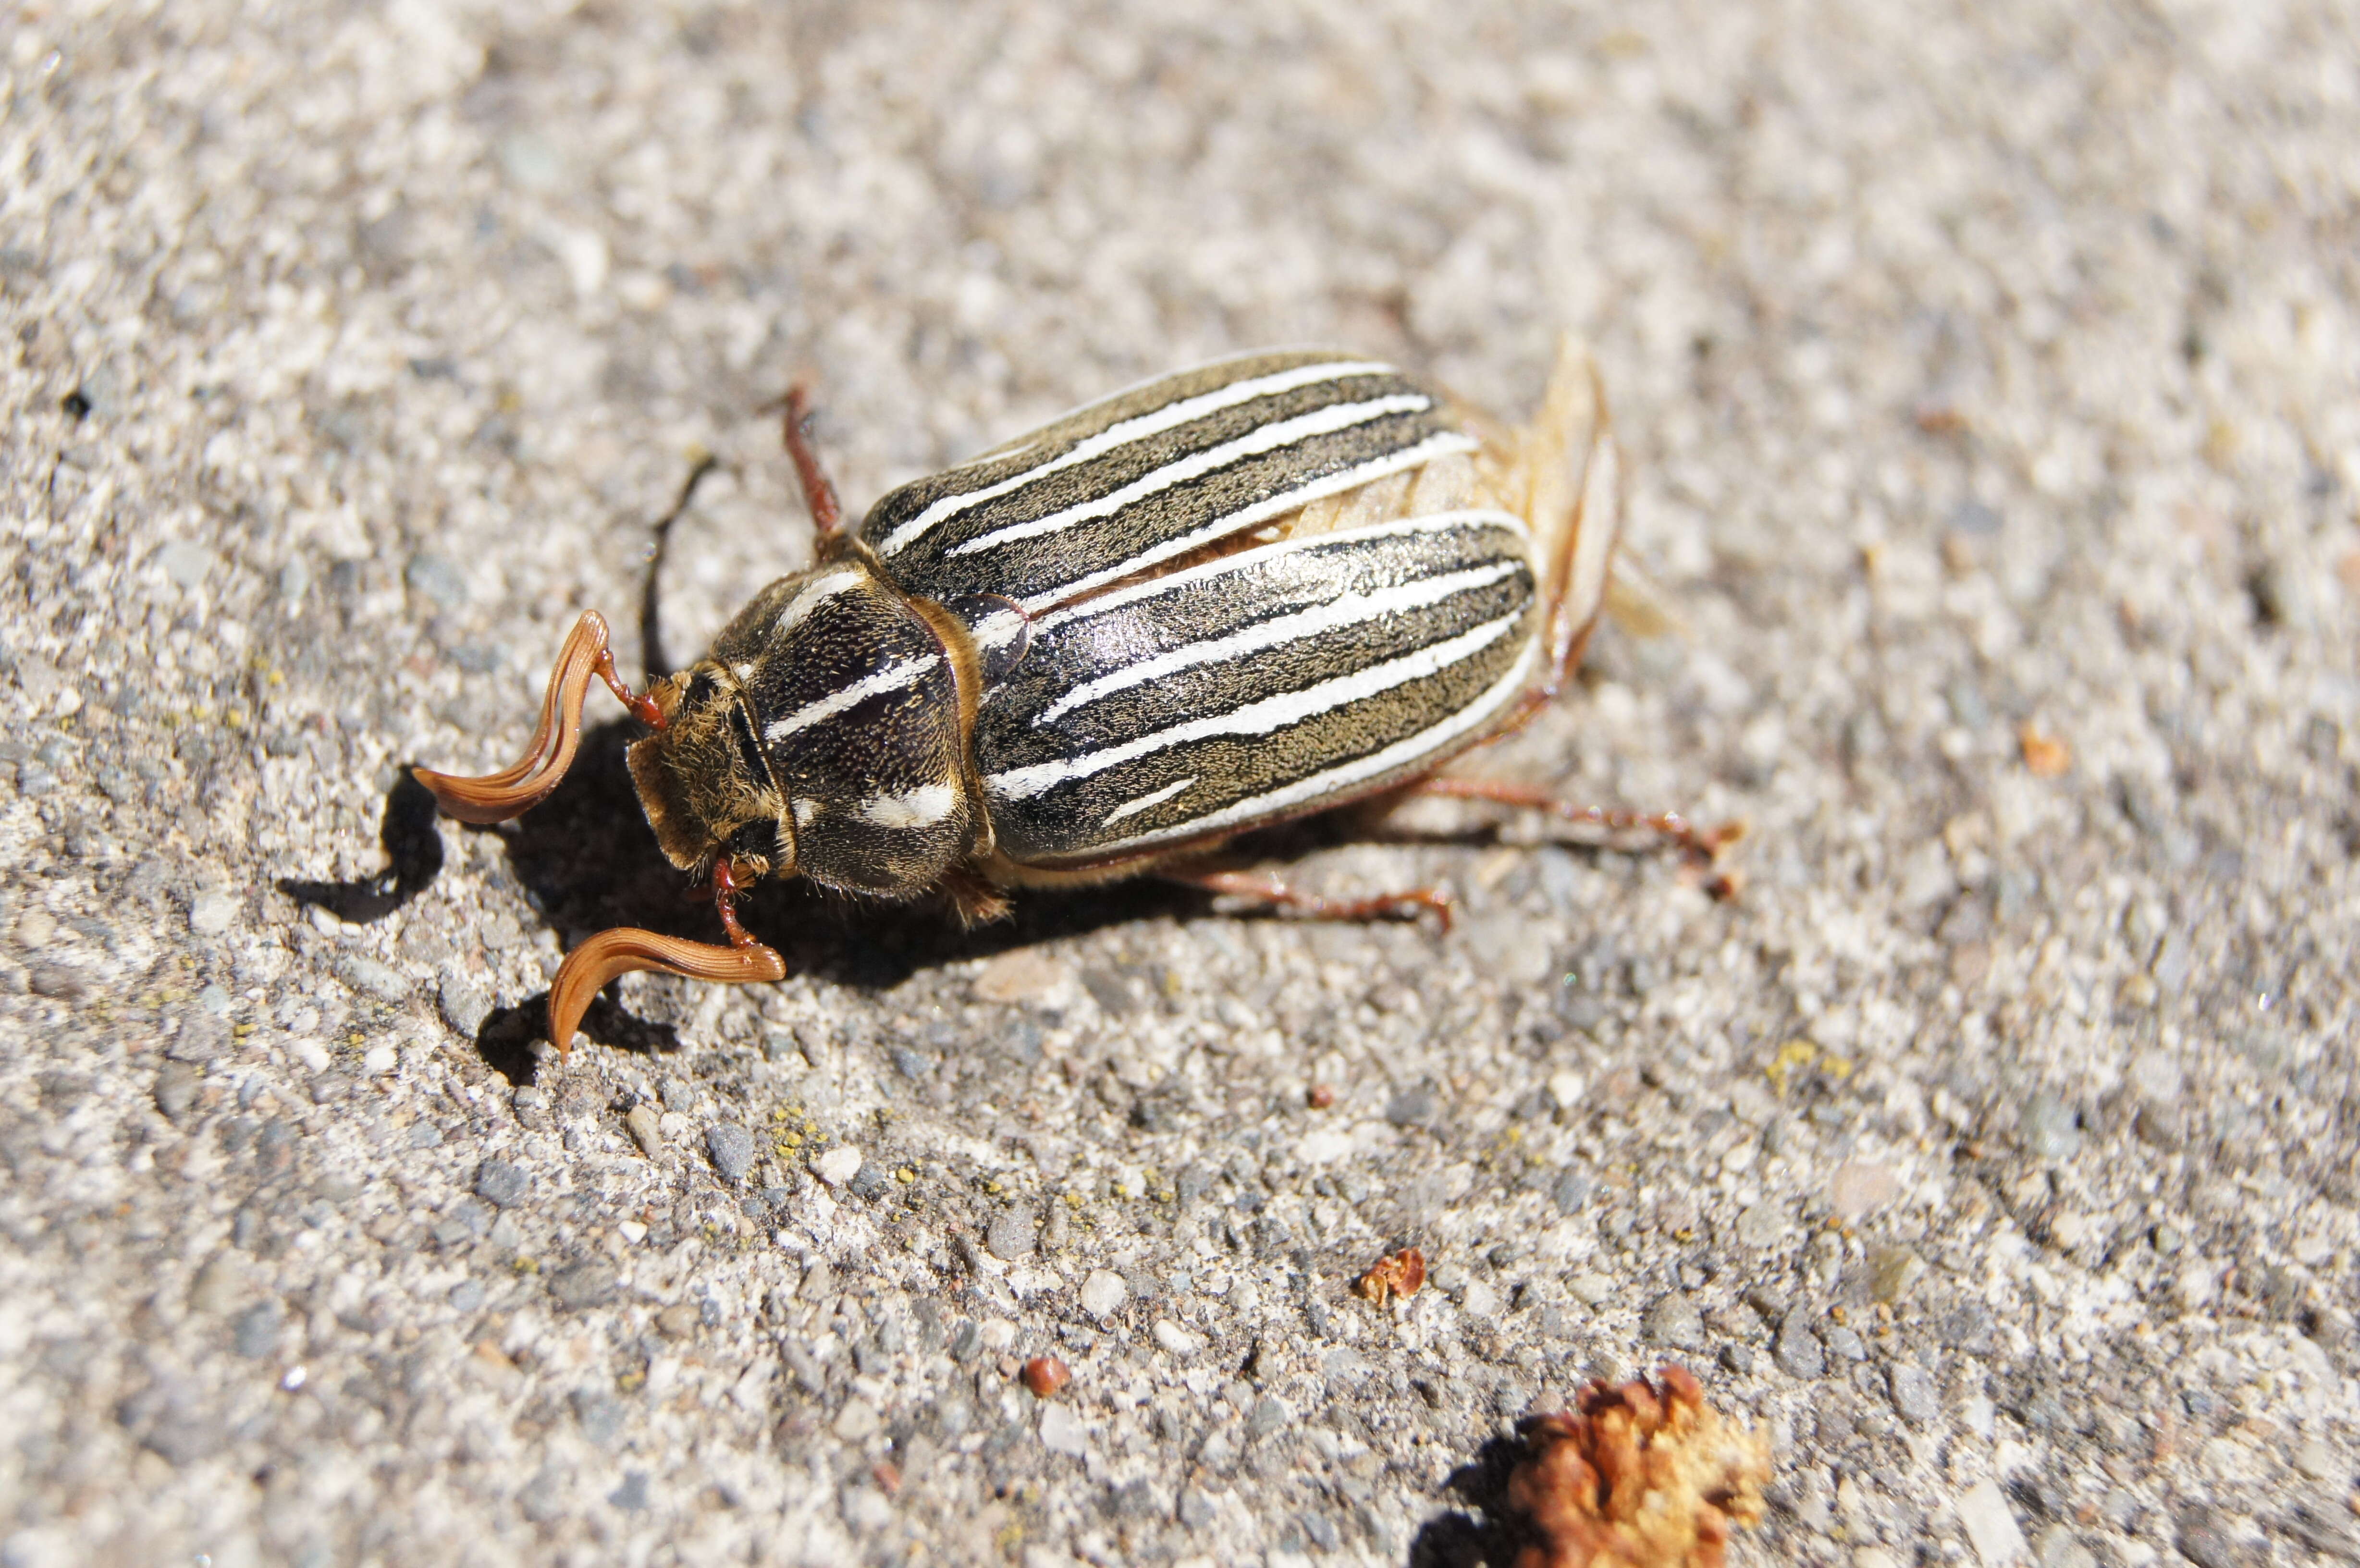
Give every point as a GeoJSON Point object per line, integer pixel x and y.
{"type": "Point", "coordinates": [1194, 1510]}
{"type": "Point", "coordinates": [732, 1147]}
{"type": "Point", "coordinates": [176, 1089]}
{"type": "Point", "coordinates": [1268, 1415]}
{"type": "Point", "coordinates": [437, 578]}
{"type": "Point", "coordinates": [1912, 1394]}
{"type": "Point", "coordinates": [502, 1183]}
{"type": "Point", "coordinates": [464, 1005]}
{"type": "Point", "coordinates": [202, 1037]}
{"type": "Point", "coordinates": [1011, 1235]}
{"type": "Point", "coordinates": [2049, 1128]}
{"type": "Point", "coordinates": [2202, 1538]}
{"type": "Point", "coordinates": [366, 976]}
{"type": "Point", "coordinates": [1414, 1106]}
{"type": "Point", "coordinates": [1796, 1349]}
{"type": "Point", "coordinates": [255, 1333]}
{"type": "Point", "coordinates": [581, 1286]}
{"type": "Point", "coordinates": [542, 1499]}
{"type": "Point", "coordinates": [599, 1412]}
{"type": "Point", "coordinates": [1570, 1191]}
{"type": "Point", "coordinates": [1674, 1321]}
{"type": "Point", "coordinates": [631, 1497]}
{"type": "Point", "coordinates": [467, 1295]}
{"type": "Point", "coordinates": [212, 914]}
{"type": "Point", "coordinates": [1843, 1342]}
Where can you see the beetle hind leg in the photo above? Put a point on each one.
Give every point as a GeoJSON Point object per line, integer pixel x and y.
{"type": "Point", "coordinates": [1273, 892]}
{"type": "Point", "coordinates": [1700, 848]}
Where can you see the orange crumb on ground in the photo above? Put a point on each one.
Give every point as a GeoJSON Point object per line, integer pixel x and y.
{"type": "Point", "coordinates": [2044, 757]}
{"type": "Point", "coordinates": [1395, 1274]}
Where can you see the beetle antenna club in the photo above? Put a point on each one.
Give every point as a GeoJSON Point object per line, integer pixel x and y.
{"type": "Point", "coordinates": [1246, 593]}
{"type": "Point", "coordinates": [517, 788]}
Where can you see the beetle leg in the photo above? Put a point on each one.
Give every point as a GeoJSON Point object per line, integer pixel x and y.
{"type": "Point", "coordinates": [1700, 847]}
{"type": "Point", "coordinates": [515, 789]}
{"type": "Point", "coordinates": [624, 950]}
{"type": "Point", "coordinates": [819, 495]}
{"type": "Point", "coordinates": [1270, 890]}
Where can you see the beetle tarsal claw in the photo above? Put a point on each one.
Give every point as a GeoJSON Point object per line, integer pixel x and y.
{"type": "Point", "coordinates": [626, 950]}
{"type": "Point", "coordinates": [513, 790]}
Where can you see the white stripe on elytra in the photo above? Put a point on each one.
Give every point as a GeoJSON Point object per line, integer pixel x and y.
{"type": "Point", "coordinates": [1426, 450]}
{"type": "Point", "coordinates": [919, 808]}
{"type": "Point", "coordinates": [892, 678]}
{"type": "Point", "coordinates": [1000, 628]}
{"type": "Point", "coordinates": [1425, 744]}
{"type": "Point", "coordinates": [810, 596]}
{"type": "Point", "coordinates": [1138, 428]}
{"type": "Point", "coordinates": [1261, 555]}
{"type": "Point", "coordinates": [1258, 718]}
{"type": "Point", "coordinates": [1276, 436]}
{"type": "Point", "coordinates": [1349, 610]}
{"type": "Point", "coordinates": [1153, 798]}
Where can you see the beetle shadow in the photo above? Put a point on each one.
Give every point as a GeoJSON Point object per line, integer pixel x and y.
{"type": "Point", "coordinates": [588, 861]}
{"type": "Point", "coordinates": [413, 853]}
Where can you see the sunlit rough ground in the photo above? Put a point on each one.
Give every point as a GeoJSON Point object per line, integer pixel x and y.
{"type": "Point", "coordinates": [1987, 372]}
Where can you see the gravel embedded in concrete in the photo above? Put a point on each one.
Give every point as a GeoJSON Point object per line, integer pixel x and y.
{"type": "Point", "coordinates": [1987, 382]}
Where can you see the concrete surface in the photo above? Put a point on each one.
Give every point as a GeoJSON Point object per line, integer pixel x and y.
{"type": "Point", "coordinates": [1988, 372]}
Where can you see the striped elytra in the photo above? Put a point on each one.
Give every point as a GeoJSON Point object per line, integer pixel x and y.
{"type": "Point", "coordinates": [1237, 595]}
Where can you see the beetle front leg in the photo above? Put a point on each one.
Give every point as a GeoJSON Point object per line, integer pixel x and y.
{"type": "Point", "coordinates": [1700, 847]}
{"type": "Point", "coordinates": [1267, 889]}
{"type": "Point", "coordinates": [819, 495]}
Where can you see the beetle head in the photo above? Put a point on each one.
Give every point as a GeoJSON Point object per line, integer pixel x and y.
{"type": "Point", "coordinates": [702, 779]}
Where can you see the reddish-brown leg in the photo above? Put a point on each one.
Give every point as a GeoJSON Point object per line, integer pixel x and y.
{"type": "Point", "coordinates": [1699, 847]}
{"type": "Point", "coordinates": [827, 517]}
{"type": "Point", "coordinates": [611, 954]}
{"type": "Point", "coordinates": [1270, 890]}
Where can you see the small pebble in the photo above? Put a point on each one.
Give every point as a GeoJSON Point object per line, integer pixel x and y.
{"type": "Point", "coordinates": [1860, 1187]}
{"type": "Point", "coordinates": [1798, 1353]}
{"type": "Point", "coordinates": [1912, 1394]}
{"type": "Point", "coordinates": [1990, 1523]}
{"type": "Point", "coordinates": [1673, 1321]}
{"type": "Point", "coordinates": [467, 1295]}
{"type": "Point", "coordinates": [1044, 1375]}
{"type": "Point", "coordinates": [732, 1147]}
{"type": "Point", "coordinates": [501, 1184]}
{"type": "Point", "coordinates": [1174, 1341]}
{"type": "Point", "coordinates": [464, 1007]}
{"type": "Point", "coordinates": [1012, 1236]}
{"type": "Point", "coordinates": [1061, 1432]}
{"type": "Point", "coordinates": [1590, 1289]}
{"type": "Point", "coordinates": [1103, 1294]}
{"type": "Point", "coordinates": [2202, 1541]}
{"type": "Point", "coordinates": [1024, 975]}
{"type": "Point", "coordinates": [256, 1333]}
{"type": "Point", "coordinates": [646, 1128]}
{"type": "Point", "coordinates": [2049, 1128]}
{"type": "Point", "coordinates": [211, 914]}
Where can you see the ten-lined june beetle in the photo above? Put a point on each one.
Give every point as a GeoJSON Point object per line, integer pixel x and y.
{"type": "Point", "coordinates": [1234, 595]}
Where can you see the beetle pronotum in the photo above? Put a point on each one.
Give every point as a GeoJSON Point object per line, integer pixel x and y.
{"type": "Point", "coordinates": [1237, 595]}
